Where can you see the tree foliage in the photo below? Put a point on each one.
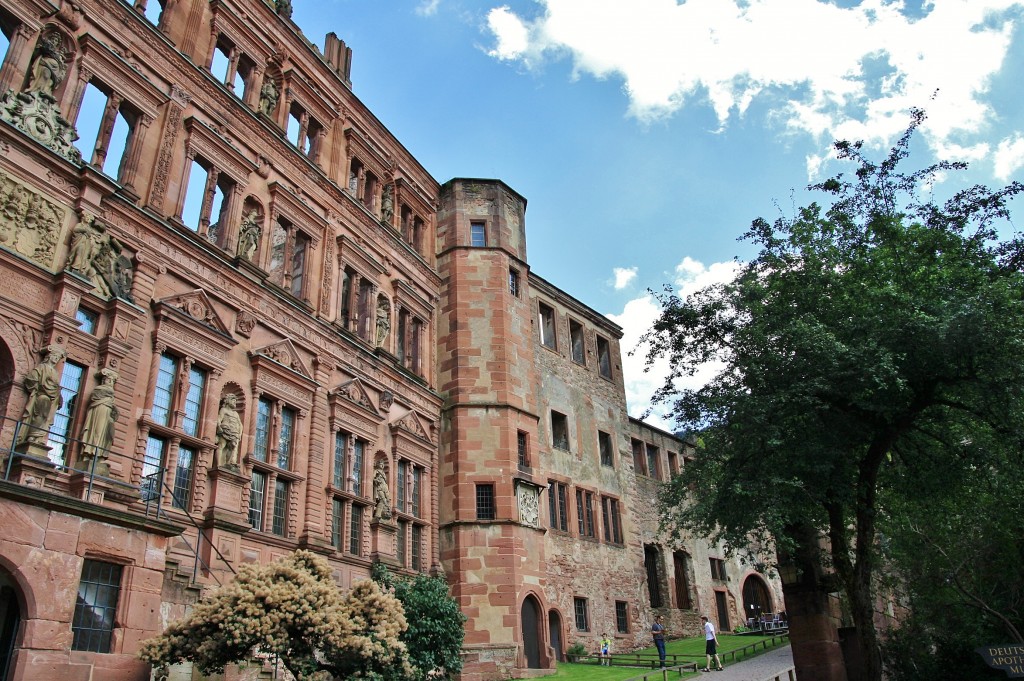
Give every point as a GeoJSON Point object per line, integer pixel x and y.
{"type": "Point", "coordinates": [290, 608]}
{"type": "Point", "coordinates": [435, 634]}
{"type": "Point", "coordinates": [865, 344]}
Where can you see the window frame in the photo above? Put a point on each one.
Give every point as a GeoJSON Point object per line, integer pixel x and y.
{"type": "Point", "coordinates": [560, 431]}
{"type": "Point", "coordinates": [577, 342]}
{"type": "Point", "coordinates": [486, 508]}
{"type": "Point", "coordinates": [546, 326]}
{"type": "Point", "coordinates": [112, 586]}
{"type": "Point", "coordinates": [581, 613]}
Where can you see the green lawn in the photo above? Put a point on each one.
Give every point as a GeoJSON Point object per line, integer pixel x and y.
{"type": "Point", "coordinates": [693, 648]}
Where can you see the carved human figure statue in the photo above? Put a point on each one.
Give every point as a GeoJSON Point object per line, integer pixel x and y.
{"type": "Point", "coordinates": [268, 96]}
{"type": "Point", "coordinates": [48, 69]}
{"type": "Point", "coordinates": [85, 244]}
{"type": "Point", "coordinates": [381, 493]}
{"type": "Point", "coordinates": [229, 432]}
{"type": "Point", "coordinates": [42, 384]}
{"type": "Point", "coordinates": [248, 235]}
{"type": "Point", "coordinates": [98, 431]}
{"type": "Point", "coordinates": [383, 320]}
{"type": "Point", "coordinates": [387, 204]}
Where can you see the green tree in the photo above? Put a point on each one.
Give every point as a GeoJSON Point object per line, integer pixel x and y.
{"type": "Point", "coordinates": [290, 608]}
{"type": "Point", "coordinates": [435, 634]}
{"type": "Point", "coordinates": [865, 341]}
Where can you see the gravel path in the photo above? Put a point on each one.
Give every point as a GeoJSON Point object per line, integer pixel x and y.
{"type": "Point", "coordinates": [761, 668]}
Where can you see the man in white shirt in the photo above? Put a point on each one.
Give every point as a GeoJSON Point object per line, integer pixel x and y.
{"type": "Point", "coordinates": [710, 644]}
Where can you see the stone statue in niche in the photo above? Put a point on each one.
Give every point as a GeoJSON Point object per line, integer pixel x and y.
{"type": "Point", "coordinates": [381, 493]}
{"type": "Point", "coordinates": [42, 384]}
{"type": "Point", "coordinates": [98, 257]}
{"type": "Point", "coordinates": [383, 320]}
{"type": "Point", "coordinates": [98, 431]}
{"type": "Point", "coordinates": [387, 204]}
{"type": "Point", "coordinates": [49, 67]}
{"type": "Point", "coordinates": [229, 432]}
{"type": "Point", "coordinates": [268, 96]}
{"type": "Point", "coordinates": [248, 235]}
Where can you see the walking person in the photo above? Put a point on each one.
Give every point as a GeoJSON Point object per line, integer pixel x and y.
{"type": "Point", "coordinates": [658, 631]}
{"type": "Point", "coordinates": [710, 645]}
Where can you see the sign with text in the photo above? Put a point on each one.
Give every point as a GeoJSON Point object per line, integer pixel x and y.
{"type": "Point", "coordinates": [1009, 658]}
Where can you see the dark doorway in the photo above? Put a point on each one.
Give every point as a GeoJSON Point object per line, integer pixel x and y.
{"type": "Point", "coordinates": [680, 562]}
{"type": "Point", "coordinates": [10, 619]}
{"type": "Point", "coordinates": [531, 632]}
{"type": "Point", "coordinates": [756, 599]}
{"type": "Point", "coordinates": [723, 611]}
{"type": "Point", "coordinates": [555, 627]}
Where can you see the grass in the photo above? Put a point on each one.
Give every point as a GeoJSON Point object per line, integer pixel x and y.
{"type": "Point", "coordinates": [693, 648]}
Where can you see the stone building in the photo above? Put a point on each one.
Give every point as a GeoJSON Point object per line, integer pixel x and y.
{"type": "Point", "coordinates": [238, 318]}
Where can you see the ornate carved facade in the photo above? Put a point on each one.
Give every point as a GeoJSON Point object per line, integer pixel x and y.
{"type": "Point", "coordinates": [234, 321]}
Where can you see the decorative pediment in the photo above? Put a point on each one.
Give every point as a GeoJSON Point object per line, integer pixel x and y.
{"type": "Point", "coordinates": [415, 425]}
{"type": "Point", "coordinates": [354, 391]}
{"type": "Point", "coordinates": [284, 353]}
{"type": "Point", "coordinates": [352, 410]}
{"type": "Point", "coordinates": [197, 305]}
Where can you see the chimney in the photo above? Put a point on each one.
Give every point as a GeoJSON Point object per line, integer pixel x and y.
{"type": "Point", "coordinates": [339, 56]}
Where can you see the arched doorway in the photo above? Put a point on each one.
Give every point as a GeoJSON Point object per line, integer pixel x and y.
{"type": "Point", "coordinates": [10, 621]}
{"type": "Point", "coordinates": [555, 627]}
{"type": "Point", "coordinates": [531, 632]}
{"type": "Point", "coordinates": [756, 599]}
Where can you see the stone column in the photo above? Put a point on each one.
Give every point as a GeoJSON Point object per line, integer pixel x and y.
{"type": "Point", "coordinates": [130, 164]}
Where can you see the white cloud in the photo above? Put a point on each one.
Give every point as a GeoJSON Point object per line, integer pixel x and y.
{"type": "Point", "coordinates": [428, 8]}
{"type": "Point", "coordinates": [1009, 157]}
{"type": "Point", "coordinates": [824, 70]}
{"type": "Point", "coordinates": [624, 276]}
{"type": "Point", "coordinates": [638, 316]}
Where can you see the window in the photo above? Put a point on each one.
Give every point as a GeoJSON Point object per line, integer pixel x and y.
{"type": "Point", "coordinates": [408, 341]}
{"type": "Point", "coordinates": [604, 357]}
{"type": "Point", "coordinates": [257, 495]}
{"type": "Point", "coordinates": [285, 438]}
{"type": "Point", "coordinates": [70, 385]}
{"type": "Point", "coordinates": [96, 606]}
{"type": "Point", "coordinates": [289, 255]}
{"type": "Point", "coordinates": [621, 617]}
{"type": "Point", "coordinates": [547, 325]}
{"type": "Point", "coordinates": [280, 516]}
{"type": "Point", "coordinates": [485, 501]}
{"type": "Point", "coordinates": [417, 483]}
{"type": "Point", "coordinates": [639, 465]}
{"type": "Point", "coordinates": [232, 67]}
{"type": "Point", "coordinates": [582, 617]}
{"type": "Point", "coordinates": [477, 234]}
{"type": "Point", "coordinates": [167, 371]}
{"type": "Point", "coordinates": [401, 480]}
{"type": "Point", "coordinates": [181, 494]}
{"type": "Point", "coordinates": [194, 401]}
{"type": "Point", "coordinates": [576, 342]}
{"type": "Point", "coordinates": [559, 431]}
{"type": "Point", "coordinates": [152, 9]}
{"type": "Point", "coordinates": [681, 564]}
{"type": "Point", "coordinates": [604, 445]}
{"type": "Point", "coordinates": [611, 520]}
{"type": "Point", "coordinates": [87, 320]}
{"type": "Point", "coordinates": [337, 523]}
{"type": "Point", "coordinates": [653, 462]}
{"type": "Point", "coordinates": [152, 469]}
{"type": "Point", "coordinates": [305, 132]}
{"type": "Point", "coordinates": [585, 512]}
{"type": "Point", "coordinates": [357, 466]}
{"type": "Point", "coordinates": [513, 283]}
{"type": "Point", "coordinates": [673, 464]}
{"type": "Point", "coordinates": [115, 123]}
{"type": "Point", "coordinates": [402, 542]}
{"type": "Point", "coordinates": [558, 501]}
{"type": "Point", "coordinates": [717, 569]}
{"type": "Point", "coordinates": [355, 532]}
{"type": "Point", "coordinates": [207, 201]}
{"type": "Point", "coordinates": [651, 565]}
{"type": "Point", "coordinates": [417, 552]}
{"type": "Point", "coordinates": [523, 448]}
{"type": "Point", "coordinates": [340, 458]}
{"type": "Point", "coordinates": [300, 251]}
{"type": "Point", "coordinates": [261, 448]}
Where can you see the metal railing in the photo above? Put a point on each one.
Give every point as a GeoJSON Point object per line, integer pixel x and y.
{"type": "Point", "coordinates": [141, 484]}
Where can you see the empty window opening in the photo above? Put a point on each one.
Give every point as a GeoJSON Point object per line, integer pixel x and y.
{"type": "Point", "coordinates": [604, 357]}
{"type": "Point", "coordinates": [576, 341]}
{"type": "Point", "coordinates": [560, 431]}
{"type": "Point", "coordinates": [547, 325]}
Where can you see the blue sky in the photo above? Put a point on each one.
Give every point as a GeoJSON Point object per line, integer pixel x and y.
{"type": "Point", "coordinates": [647, 134]}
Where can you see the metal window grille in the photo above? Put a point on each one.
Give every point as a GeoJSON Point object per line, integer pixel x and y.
{"type": "Point", "coordinates": [524, 459]}
{"type": "Point", "coordinates": [513, 283]}
{"type": "Point", "coordinates": [485, 502]}
{"type": "Point", "coordinates": [96, 606]}
{"type": "Point", "coordinates": [621, 617]}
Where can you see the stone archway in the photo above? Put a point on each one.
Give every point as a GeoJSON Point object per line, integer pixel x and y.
{"type": "Point", "coordinates": [756, 598]}
{"type": "Point", "coordinates": [11, 616]}
{"type": "Point", "coordinates": [555, 632]}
